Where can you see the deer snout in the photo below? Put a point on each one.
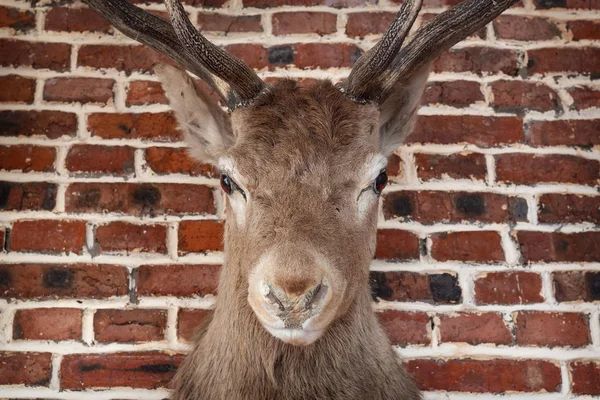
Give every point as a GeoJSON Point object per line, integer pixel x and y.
{"type": "Point", "coordinates": [295, 301]}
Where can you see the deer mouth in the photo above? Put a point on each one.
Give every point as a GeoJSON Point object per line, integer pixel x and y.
{"type": "Point", "coordinates": [296, 336]}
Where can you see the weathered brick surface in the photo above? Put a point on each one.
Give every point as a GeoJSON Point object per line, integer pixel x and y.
{"type": "Point", "coordinates": [478, 60]}
{"type": "Point", "coordinates": [510, 96]}
{"type": "Point", "coordinates": [492, 376]}
{"type": "Point", "coordinates": [188, 320]}
{"type": "Point", "coordinates": [582, 133]}
{"type": "Point", "coordinates": [319, 23]}
{"type": "Point", "coordinates": [139, 199]}
{"type": "Point", "coordinates": [30, 196]}
{"type": "Point", "coordinates": [200, 236]}
{"type": "Point", "coordinates": [363, 24]}
{"type": "Point", "coordinates": [557, 208]}
{"type": "Point", "coordinates": [178, 280]}
{"type": "Point", "coordinates": [584, 60]}
{"type": "Point", "coordinates": [145, 92]}
{"type": "Point", "coordinates": [16, 89]}
{"type": "Point", "coordinates": [552, 329]}
{"type": "Point", "coordinates": [151, 126]}
{"type": "Point", "coordinates": [37, 55]}
{"type": "Point", "coordinates": [513, 27]}
{"type": "Point", "coordinates": [17, 19]}
{"type": "Point", "coordinates": [508, 288]}
{"type": "Point", "coordinates": [31, 369]}
{"type": "Point", "coordinates": [582, 30]}
{"type": "Point", "coordinates": [116, 160]}
{"type": "Point", "coordinates": [586, 377]}
{"type": "Point", "coordinates": [52, 124]}
{"type": "Point", "coordinates": [559, 247]}
{"type": "Point", "coordinates": [139, 370]}
{"type": "Point", "coordinates": [476, 246]}
{"type": "Point", "coordinates": [453, 93]}
{"type": "Point", "coordinates": [54, 281]}
{"type": "Point", "coordinates": [48, 236]}
{"type": "Point", "coordinates": [139, 325]}
{"type": "Point", "coordinates": [529, 169]}
{"type": "Point", "coordinates": [576, 285]}
{"type": "Point", "coordinates": [584, 97]}
{"type": "Point", "coordinates": [78, 90]}
{"type": "Point", "coordinates": [168, 160]}
{"type": "Point", "coordinates": [429, 207]}
{"type": "Point", "coordinates": [227, 24]}
{"type": "Point", "coordinates": [412, 286]}
{"type": "Point", "coordinates": [474, 328]}
{"type": "Point", "coordinates": [456, 166]}
{"type": "Point", "coordinates": [48, 324]}
{"type": "Point", "coordinates": [68, 19]}
{"type": "Point", "coordinates": [130, 238]}
{"type": "Point", "coordinates": [404, 328]}
{"type": "Point", "coordinates": [128, 58]}
{"type": "Point", "coordinates": [393, 244]}
{"type": "Point", "coordinates": [27, 158]}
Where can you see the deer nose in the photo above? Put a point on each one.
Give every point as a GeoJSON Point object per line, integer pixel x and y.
{"type": "Point", "coordinates": [295, 301]}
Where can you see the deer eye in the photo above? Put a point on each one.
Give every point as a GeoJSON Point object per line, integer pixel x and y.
{"type": "Point", "coordinates": [380, 182]}
{"type": "Point", "coordinates": [228, 185]}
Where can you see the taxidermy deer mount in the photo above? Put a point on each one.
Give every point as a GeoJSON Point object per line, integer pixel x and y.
{"type": "Point", "coordinates": [302, 169]}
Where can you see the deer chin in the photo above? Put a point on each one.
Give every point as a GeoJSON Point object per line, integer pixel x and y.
{"type": "Point", "coordinates": [296, 337]}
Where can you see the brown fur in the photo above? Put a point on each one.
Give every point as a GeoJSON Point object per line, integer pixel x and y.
{"type": "Point", "coordinates": [300, 152]}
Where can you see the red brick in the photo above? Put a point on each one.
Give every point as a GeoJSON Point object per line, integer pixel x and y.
{"type": "Point", "coordinates": [485, 376]}
{"type": "Point", "coordinates": [561, 208]}
{"type": "Point", "coordinates": [69, 19]}
{"type": "Point", "coordinates": [368, 23]}
{"type": "Point", "coordinates": [49, 281]}
{"type": "Point", "coordinates": [48, 236]}
{"type": "Point", "coordinates": [26, 158]}
{"type": "Point", "coordinates": [253, 55]}
{"type": "Point", "coordinates": [547, 329]}
{"type": "Point", "coordinates": [586, 377]}
{"type": "Point", "coordinates": [394, 167]}
{"type": "Point", "coordinates": [477, 60]}
{"type": "Point", "coordinates": [17, 19]}
{"type": "Point", "coordinates": [130, 238]}
{"type": "Point", "coordinates": [576, 286]}
{"type": "Point", "coordinates": [79, 90]}
{"type": "Point", "coordinates": [473, 246]}
{"type": "Point", "coordinates": [128, 58]}
{"type": "Point", "coordinates": [559, 247]}
{"type": "Point", "coordinates": [424, 18]}
{"type": "Point", "coordinates": [178, 280]}
{"type": "Point", "coordinates": [584, 97]}
{"type": "Point", "coordinates": [229, 23]}
{"type": "Point", "coordinates": [2, 235]}
{"type": "Point", "coordinates": [508, 288]}
{"type": "Point", "coordinates": [16, 89]}
{"type": "Point", "coordinates": [37, 55]}
{"type": "Point", "coordinates": [30, 196]}
{"type": "Point", "coordinates": [453, 93]}
{"type": "Point", "coordinates": [169, 160]}
{"type": "Point", "coordinates": [326, 55]}
{"type": "Point", "coordinates": [145, 92]}
{"type": "Point", "coordinates": [518, 96]}
{"type": "Point", "coordinates": [330, 3]}
{"type": "Point", "coordinates": [411, 286]}
{"type": "Point", "coordinates": [573, 4]}
{"type": "Point", "coordinates": [437, 206]}
{"type": "Point", "coordinates": [149, 126]}
{"type": "Point", "coordinates": [570, 133]}
{"type": "Point", "coordinates": [394, 244]}
{"type": "Point", "coordinates": [464, 165]}
{"type": "Point", "coordinates": [583, 60]}
{"type": "Point", "coordinates": [474, 328]}
{"type": "Point", "coordinates": [130, 325]}
{"type": "Point", "coordinates": [321, 23]}
{"type": "Point", "coordinates": [404, 328]}
{"type": "Point", "coordinates": [30, 369]}
{"type": "Point", "coordinates": [193, 3]}
{"type": "Point", "coordinates": [582, 30]}
{"type": "Point", "coordinates": [528, 169]}
{"type": "Point", "coordinates": [48, 324]}
{"type": "Point", "coordinates": [139, 199]}
{"type": "Point", "coordinates": [52, 124]}
{"type": "Point", "coordinates": [113, 160]}
{"type": "Point", "coordinates": [477, 130]}
{"type": "Point", "coordinates": [188, 320]}
{"type": "Point", "coordinates": [138, 370]}
{"type": "Point", "coordinates": [514, 27]}
{"type": "Point", "coordinates": [200, 236]}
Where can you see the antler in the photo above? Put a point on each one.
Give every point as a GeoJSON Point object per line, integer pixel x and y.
{"type": "Point", "coordinates": [375, 73]}
{"type": "Point", "coordinates": [235, 82]}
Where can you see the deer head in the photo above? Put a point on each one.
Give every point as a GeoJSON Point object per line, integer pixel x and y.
{"type": "Point", "coordinates": [302, 167]}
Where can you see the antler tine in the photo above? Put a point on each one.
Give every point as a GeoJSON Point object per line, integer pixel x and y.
{"type": "Point", "coordinates": [243, 80]}
{"type": "Point", "coordinates": [367, 71]}
{"type": "Point", "coordinates": [158, 34]}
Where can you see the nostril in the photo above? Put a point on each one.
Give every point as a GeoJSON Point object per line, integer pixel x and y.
{"type": "Point", "coordinates": [315, 296]}
{"type": "Point", "coordinates": [274, 300]}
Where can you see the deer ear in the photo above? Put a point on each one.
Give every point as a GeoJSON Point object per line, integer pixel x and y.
{"type": "Point", "coordinates": [399, 111]}
{"type": "Point", "coordinates": [206, 127]}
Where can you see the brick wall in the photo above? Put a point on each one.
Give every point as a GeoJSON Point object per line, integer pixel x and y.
{"type": "Point", "coordinates": [487, 270]}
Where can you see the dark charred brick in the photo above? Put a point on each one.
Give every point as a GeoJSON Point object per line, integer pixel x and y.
{"type": "Point", "coordinates": [401, 206]}
{"type": "Point", "coordinates": [379, 289]}
{"type": "Point", "coordinates": [5, 277]}
{"type": "Point", "coordinates": [147, 196]}
{"type": "Point", "coordinates": [58, 279]}
{"type": "Point", "coordinates": [400, 286]}
{"type": "Point", "coordinates": [545, 4]}
{"type": "Point", "coordinates": [593, 283]}
{"type": "Point", "coordinates": [445, 288]}
{"type": "Point", "coordinates": [4, 193]}
{"type": "Point", "coordinates": [518, 208]}
{"type": "Point", "coordinates": [470, 204]}
{"type": "Point", "coordinates": [16, 196]}
{"type": "Point", "coordinates": [281, 55]}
